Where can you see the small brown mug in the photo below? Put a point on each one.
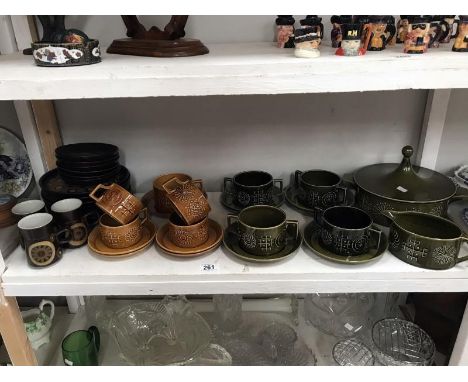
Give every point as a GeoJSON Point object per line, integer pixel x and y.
{"type": "Point", "coordinates": [187, 199]}
{"type": "Point", "coordinates": [114, 235]}
{"type": "Point", "coordinates": [187, 236]}
{"type": "Point", "coordinates": [162, 204]}
{"type": "Point", "coordinates": [117, 202]}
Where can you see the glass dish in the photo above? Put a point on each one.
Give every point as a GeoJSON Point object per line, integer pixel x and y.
{"type": "Point", "coordinates": [402, 343]}
{"type": "Point", "coordinates": [352, 352]}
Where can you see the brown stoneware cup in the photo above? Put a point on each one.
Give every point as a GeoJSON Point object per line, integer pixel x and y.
{"type": "Point", "coordinates": [187, 236]}
{"type": "Point", "coordinates": [117, 202]}
{"type": "Point", "coordinates": [187, 199]}
{"type": "Point", "coordinates": [117, 236]}
{"type": "Point", "coordinates": [162, 204]}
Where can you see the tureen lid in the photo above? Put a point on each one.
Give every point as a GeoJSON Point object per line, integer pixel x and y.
{"type": "Point", "coordinates": [405, 182]}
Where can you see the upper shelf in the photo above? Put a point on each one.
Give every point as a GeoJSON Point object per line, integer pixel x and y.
{"type": "Point", "coordinates": [230, 69]}
{"type": "Point", "coordinates": [80, 272]}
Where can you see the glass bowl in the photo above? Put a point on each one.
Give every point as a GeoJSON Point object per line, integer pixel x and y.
{"type": "Point", "coordinates": [352, 352]}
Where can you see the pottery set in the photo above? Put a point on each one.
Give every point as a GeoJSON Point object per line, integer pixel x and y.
{"type": "Point", "coordinates": [124, 229]}
{"type": "Point", "coordinates": [262, 233]}
{"type": "Point", "coordinates": [38, 323]}
{"type": "Point", "coordinates": [189, 231]}
{"type": "Point", "coordinates": [63, 47]}
{"type": "Point", "coordinates": [250, 188]}
{"type": "Point", "coordinates": [80, 168]}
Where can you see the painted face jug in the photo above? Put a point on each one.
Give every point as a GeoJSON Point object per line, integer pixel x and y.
{"type": "Point", "coordinates": [351, 41]}
{"type": "Point", "coordinates": [307, 43]}
{"type": "Point", "coordinates": [461, 39]}
{"type": "Point", "coordinates": [285, 31]}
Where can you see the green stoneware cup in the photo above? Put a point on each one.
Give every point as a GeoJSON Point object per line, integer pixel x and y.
{"type": "Point", "coordinates": [346, 231]}
{"type": "Point", "coordinates": [425, 240]}
{"type": "Point", "coordinates": [319, 188]}
{"type": "Point", "coordinates": [81, 347]}
{"type": "Point", "coordinates": [262, 230]}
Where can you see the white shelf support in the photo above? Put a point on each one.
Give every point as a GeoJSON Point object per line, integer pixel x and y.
{"type": "Point", "coordinates": [459, 355]}
{"type": "Point", "coordinates": [433, 127]}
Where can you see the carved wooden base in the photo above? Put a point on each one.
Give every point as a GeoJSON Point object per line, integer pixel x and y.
{"type": "Point", "coordinates": [158, 48]}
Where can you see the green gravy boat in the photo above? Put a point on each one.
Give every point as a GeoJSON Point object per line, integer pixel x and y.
{"type": "Point", "coordinates": [425, 240]}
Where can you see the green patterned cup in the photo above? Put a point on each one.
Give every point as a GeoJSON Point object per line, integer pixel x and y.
{"type": "Point", "coordinates": [262, 229]}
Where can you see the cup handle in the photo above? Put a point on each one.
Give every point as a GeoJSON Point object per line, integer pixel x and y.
{"type": "Point", "coordinates": [460, 259]}
{"type": "Point", "coordinates": [436, 35]}
{"type": "Point", "coordinates": [96, 189]}
{"type": "Point", "coordinates": [232, 219]}
{"type": "Point", "coordinates": [297, 177]}
{"type": "Point", "coordinates": [455, 30]}
{"type": "Point", "coordinates": [322, 30]}
{"type": "Point", "coordinates": [96, 336]}
{"type": "Point", "coordinates": [318, 215]}
{"type": "Point", "coordinates": [52, 307]}
{"type": "Point", "coordinates": [66, 234]}
{"type": "Point", "coordinates": [280, 183]}
{"type": "Point", "coordinates": [143, 218]}
{"type": "Point", "coordinates": [198, 183]}
{"type": "Point", "coordinates": [91, 218]}
{"type": "Point", "coordinates": [169, 186]}
{"type": "Point", "coordinates": [225, 183]}
{"type": "Point", "coordinates": [342, 192]}
{"type": "Point", "coordinates": [445, 32]}
{"type": "Point", "coordinates": [295, 223]}
{"type": "Point", "coordinates": [392, 30]}
{"type": "Point", "coordinates": [378, 234]}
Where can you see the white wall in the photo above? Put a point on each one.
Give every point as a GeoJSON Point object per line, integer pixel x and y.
{"type": "Point", "coordinates": [454, 148]}
{"type": "Point", "coordinates": [213, 137]}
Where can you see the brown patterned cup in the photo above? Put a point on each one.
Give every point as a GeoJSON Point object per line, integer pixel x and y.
{"type": "Point", "coordinates": [117, 202]}
{"type": "Point", "coordinates": [162, 204]}
{"type": "Point", "coordinates": [188, 200]}
{"type": "Point", "coordinates": [187, 236]}
{"type": "Point", "coordinates": [117, 236]}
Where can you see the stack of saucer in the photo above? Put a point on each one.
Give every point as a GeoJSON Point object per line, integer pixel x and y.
{"type": "Point", "coordinates": [189, 231]}
{"type": "Point", "coordinates": [124, 229]}
{"type": "Point", "coordinates": [80, 167]}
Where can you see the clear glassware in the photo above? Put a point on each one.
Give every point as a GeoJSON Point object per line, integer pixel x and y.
{"type": "Point", "coordinates": [342, 315]}
{"type": "Point", "coordinates": [277, 338]}
{"type": "Point", "coordinates": [351, 352]}
{"type": "Point", "coordinates": [227, 312]}
{"type": "Point", "coordinates": [245, 352]}
{"type": "Point", "coordinates": [402, 343]}
{"type": "Point", "coordinates": [161, 333]}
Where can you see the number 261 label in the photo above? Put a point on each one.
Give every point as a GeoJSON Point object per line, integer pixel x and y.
{"type": "Point", "coordinates": [208, 267]}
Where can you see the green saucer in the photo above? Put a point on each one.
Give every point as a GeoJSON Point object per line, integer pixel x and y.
{"type": "Point", "coordinates": [291, 198]}
{"type": "Point", "coordinates": [312, 240]}
{"type": "Point", "coordinates": [228, 202]}
{"type": "Point", "coordinates": [231, 242]}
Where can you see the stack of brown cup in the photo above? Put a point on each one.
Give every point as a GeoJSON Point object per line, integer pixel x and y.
{"type": "Point", "coordinates": [121, 225]}
{"type": "Point", "coordinates": [188, 222]}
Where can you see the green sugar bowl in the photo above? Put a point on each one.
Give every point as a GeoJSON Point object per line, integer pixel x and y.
{"type": "Point", "coordinates": [425, 240]}
{"type": "Point", "coordinates": [38, 323]}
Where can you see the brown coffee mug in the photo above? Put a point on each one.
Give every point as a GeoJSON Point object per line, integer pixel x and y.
{"type": "Point", "coordinates": [114, 235]}
{"type": "Point", "coordinates": [188, 200]}
{"type": "Point", "coordinates": [117, 202]}
{"type": "Point", "coordinates": [187, 236]}
{"type": "Point", "coordinates": [162, 204]}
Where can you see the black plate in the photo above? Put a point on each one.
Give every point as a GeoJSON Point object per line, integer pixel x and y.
{"type": "Point", "coordinates": [87, 166]}
{"type": "Point", "coordinates": [87, 151]}
{"type": "Point", "coordinates": [90, 175]}
{"type": "Point", "coordinates": [54, 186]}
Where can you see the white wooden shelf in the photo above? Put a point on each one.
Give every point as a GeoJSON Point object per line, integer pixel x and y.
{"type": "Point", "coordinates": [236, 68]}
{"type": "Point", "coordinates": [81, 272]}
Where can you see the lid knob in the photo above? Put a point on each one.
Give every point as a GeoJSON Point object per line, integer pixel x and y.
{"type": "Point", "coordinates": [407, 151]}
{"type": "Point", "coordinates": [405, 165]}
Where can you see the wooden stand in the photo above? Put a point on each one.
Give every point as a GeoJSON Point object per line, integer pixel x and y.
{"type": "Point", "coordinates": [158, 48]}
{"type": "Point", "coordinates": [155, 42]}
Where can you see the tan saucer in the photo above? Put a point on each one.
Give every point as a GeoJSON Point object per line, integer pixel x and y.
{"type": "Point", "coordinates": [96, 245]}
{"type": "Point", "coordinates": [215, 236]}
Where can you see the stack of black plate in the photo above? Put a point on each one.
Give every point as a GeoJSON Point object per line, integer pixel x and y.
{"type": "Point", "coordinates": [88, 163]}
{"type": "Point", "coordinates": [80, 168]}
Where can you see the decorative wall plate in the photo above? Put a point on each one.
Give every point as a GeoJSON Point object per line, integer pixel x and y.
{"type": "Point", "coordinates": [15, 167]}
